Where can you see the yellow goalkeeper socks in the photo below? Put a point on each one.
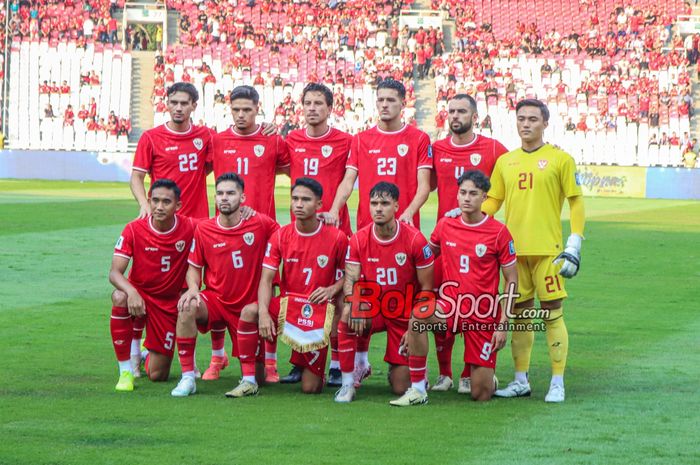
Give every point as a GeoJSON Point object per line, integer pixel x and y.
{"type": "Point", "coordinates": [521, 346]}
{"type": "Point", "coordinates": [557, 341]}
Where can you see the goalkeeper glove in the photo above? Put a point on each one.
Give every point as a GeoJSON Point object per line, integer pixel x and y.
{"type": "Point", "coordinates": [570, 258]}
{"type": "Point", "coordinates": [454, 213]}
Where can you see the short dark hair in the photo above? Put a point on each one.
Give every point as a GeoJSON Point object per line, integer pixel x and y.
{"type": "Point", "coordinates": [385, 188]}
{"type": "Point", "coordinates": [231, 176]}
{"type": "Point", "coordinates": [480, 180]}
{"type": "Point", "coordinates": [165, 184]}
{"type": "Point", "coordinates": [468, 98]}
{"type": "Point", "coordinates": [245, 92]}
{"type": "Point", "coordinates": [393, 84]}
{"type": "Point", "coordinates": [531, 102]}
{"type": "Point", "coordinates": [316, 87]}
{"type": "Point", "coordinates": [185, 87]}
{"type": "Point", "coordinates": [311, 184]}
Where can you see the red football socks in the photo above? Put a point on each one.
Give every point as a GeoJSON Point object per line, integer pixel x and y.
{"type": "Point", "coordinates": [247, 346]}
{"type": "Point", "coordinates": [121, 329]}
{"type": "Point", "coordinates": [347, 341]}
{"type": "Point", "coordinates": [185, 350]}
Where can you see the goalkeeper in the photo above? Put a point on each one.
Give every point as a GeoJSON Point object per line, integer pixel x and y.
{"type": "Point", "coordinates": [533, 182]}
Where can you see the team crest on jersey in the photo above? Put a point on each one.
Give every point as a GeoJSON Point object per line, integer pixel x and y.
{"type": "Point", "coordinates": [198, 143]}
{"type": "Point", "coordinates": [307, 311]}
{"type": "Point", "coordinates": [322, 261]}
{"type": "Point", "coordinates": [326, 151]}
{"type": "Point", "coordinates": [475, 158]}
{"type": "Point", "coordinates": [402, 149]}
{"type": "Point", "coordinates": [480, 250]}
{"type": "Point", "coordinates": [542, 164]}
{"type": "Point", "coordinates": [259, 150]}
{"type": "Point", "coordinates": [400, 258]}
{"type": "Point", "coordinates": [249, 238]}
{"type": "Point", "coordinates": [180, 246]}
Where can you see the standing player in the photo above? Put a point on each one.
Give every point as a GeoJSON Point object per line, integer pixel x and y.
{"type": "Point", "coordinates": [461, 151]}
{"type": "Point", "coordinates": [533, 182]}
{"type": "Point", "coordinates": [157, 248]}
{"type": "Point", "coordinates": [393, 152]}
{"type": "Point", "coordinates": [474, 247]}
{"type": "Point", "coordinates": [244, 149]}
{"type": "Point", "coordinates": [398, 259]}
{"type": "Point", "coordinates": [180, 151]}
{"type": "Point", "coordinates": [313, 255]}
{"type": "Point", "coordinates": [320, 152]}
{"type": "Point", "coordinates": [223, 248]}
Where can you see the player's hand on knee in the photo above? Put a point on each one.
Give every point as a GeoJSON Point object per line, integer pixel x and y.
{"type": "Point", "coordinates": [266, 326]}
{"type": "Point", "coordinates": [454, 213]}
{"type": "Point", "coordinates": [247, 212]}
{"type": "Point", "coordinates": [190, 297]}
{"type": "Point", "coordinates": [135, 304]}
{"type": "Point", "coordinates": [570, 258]}
{"type": "Point", "coordinates": [359, 325]}
{"type": "Point", "coordinates": [403, 345]}
{"type": "Point", "coordinates": [498, 340]}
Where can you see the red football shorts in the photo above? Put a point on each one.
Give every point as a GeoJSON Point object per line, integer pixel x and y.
{"type": "Point", "coordinates": [395, 329]}
{"type": "Point", "coordinates": [161, 321]}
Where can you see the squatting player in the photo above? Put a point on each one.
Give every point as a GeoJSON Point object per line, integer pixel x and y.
{"type": "Point", "coordinates": [180, 151]}
{"type": "Point", "coordinates": [533, 182]}
{"type": "Point", "coordinates": [461, 151]}
{"type": "Point", "coordinates": [229, 250]}
{"type": "Point", "coordinates": [157, 247]}
{"type": "Point", "coordinates": [313, 255]}
{"type": "Point", "coordinates": [474, 248]}
{"type": "Point", "coordinates": [393, 152]}
{"type": "Point", "coordinates": [320, 152]}
{"type": "Point", "coordinates": [396, 257]}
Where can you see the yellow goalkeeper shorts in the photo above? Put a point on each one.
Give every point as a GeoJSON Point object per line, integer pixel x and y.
{"type": "Point", "coordinates": [538, 274]}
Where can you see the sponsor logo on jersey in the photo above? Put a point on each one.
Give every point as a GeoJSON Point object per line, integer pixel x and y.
{"type": "Point", "coordinates": [151, 249]}
{"type": "Point", "coordinates": [171, 149]}
{"type": "Point", "coordinates": [511, 248]}
{"type": "Point", "coordinates": [322, 261]}
{"type": "Point", "coordinates": [542, 164]}
{"type": "Point", "coordinates": [445, 160]}
{"type": "Point", "coordinates": [198, 143]}
{"type": "Point", "coordinates": [400, 258]}
{"type": "Point", "coordinates": [291, 260]}
{"type": "Point", "coordinates": [480, 250]}
{"type": "Point", "coordinates": [402, 149]}
{"type": "Point", "coordinates": [230, 151]}
{"type": "Point", "coordinates": [220, 244]}
{"type": "Point", "coordinates": [307, 311]}
{"type": "Point", "coordinates": [249, 238]}
{"type": "Point", "coordinates": [180, 246]}
{"type": "Point", "coordinates": [119, 243]}
{"type": "Point", "coordinates": [475, 158]}
{"type": "Point", "coordinates": [427, 253]}
{"type": "Point", "coordinates": [373, 260]}
{"type": "Point", "coordinates": [375, 151]}
{"type": "Point", "coordinates": [326, 151]}
{"type": "Point", "coordinates": [300, 150]}
{"type": "Point", "coordinates": [451, 244]}
{"type": "Point", "coordinates": [259, 150]}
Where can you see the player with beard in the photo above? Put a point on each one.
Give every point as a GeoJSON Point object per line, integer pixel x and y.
{"type": "Point", "coordinates": [463, 150]}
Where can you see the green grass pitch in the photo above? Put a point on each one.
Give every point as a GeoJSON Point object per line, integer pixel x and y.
{"type": "Point", "coordinates": [632, 377]}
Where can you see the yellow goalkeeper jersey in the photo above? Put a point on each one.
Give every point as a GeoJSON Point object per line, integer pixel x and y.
{"type": "Point", "coordinates": [533, 186]}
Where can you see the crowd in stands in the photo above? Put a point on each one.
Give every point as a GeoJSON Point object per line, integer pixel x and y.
{"type": "Point", "coordinates": [623, 74]}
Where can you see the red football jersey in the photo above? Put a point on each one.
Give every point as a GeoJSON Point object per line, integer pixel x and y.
{"type": "Point", "coordinates": [452, 160]}
{"type": "Point", "coordinates": [310, 260]}
{"type": "Point", "coordinates": [159, 259]}
{"type": "Point", "coordinates": [394, 157]}
{"type": "Point", "coordinates": [231, 257]}
{"type": "Point", "coordinates": [472, 255]}
{"type": "Point", "coordinates": [180, 157]}
{"type": "Point", "coordinates": [392, 263]}
{"type": "Point", "coordinates": [255, 158]}
{"type": "Point", "coordinates": [323, 159]}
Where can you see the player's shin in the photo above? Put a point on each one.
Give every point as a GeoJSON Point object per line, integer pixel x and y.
{"type": "Point", "coordinates": [558, 343]}
{"type": "Point", "coordinates": [247, 347]}
{"type": "Point", "coordinates": [136, 335]}
{"type": "Point", "coordinates": [521, 346]}
{"type": "Point", "coordinates": [347, 341]}
{"type": "Point", "coordinates": [444, 341]}
{"type": "Point", "coordinates": [121, 329]}
{"type": "Point", "coordinates": [362, 354]}
{"type": "Point", "coordinates": [185, 352]}
{"type": "Point", "coordinates": [218, 340]}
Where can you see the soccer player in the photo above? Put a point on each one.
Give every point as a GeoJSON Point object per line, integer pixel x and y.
{"type": "Point", "coordinates": [228, 250]}
{"type": "Point", "coordinates": [313, 254]}
{"type": "Point", "coordinates": [320, 152]}
{"type": "Point", "coordinates": [461, 151]}
{"type": "Point", "coordinates": [396, 257]}
{"type": "Point", "coordinates": [533, 182]}
{"type": "Point", "coordinates": [393, 152]}
{"type": "Point", "coordinates": [473, 247]}
{"type": "Point", "coordinates": [176, 150]}
{"type": "Point", "coordinates": [244, 149]}
{"type": "Point", "coordinates": [157, 248]}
